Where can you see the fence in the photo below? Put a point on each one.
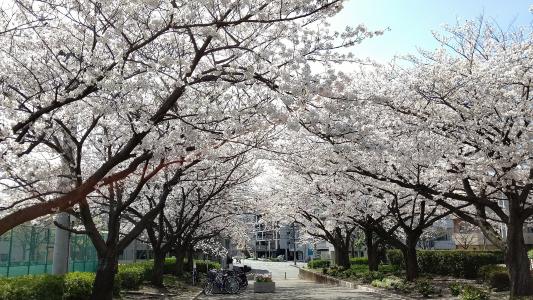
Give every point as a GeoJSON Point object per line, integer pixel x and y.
{"type": "Point", "coordinates": [28, 250]}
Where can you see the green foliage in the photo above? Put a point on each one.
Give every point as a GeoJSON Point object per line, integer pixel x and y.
{"type": "Point", "coordinates": [318, 263]}
{"type": "Point", "coordinates": [485, 271]}
{"type": "Point", "coordinates": [473, 293]}
{"type": "Point", "coordinates": [131, 276]}
{"type": "Point", "coordinates": [530, 253]}
{"type": "Point", "coordinates": [455, 288]}
{"type": "Point", "coordinates": [449, 262]}
{"type": "Point", "coordinates": [425, 287]}
{"type": "Point", "coordinates": [390, 282]}
{"type": "Point", "coordinates": [359, 260]}
{"type": "Point", "coordinates": [78, 285]}
{"type": "Point", "coordinates": [496, 276]}
{"type": "Point", "coordinates": [395, 258]}
{"type": "Point", "coordinates": [169, 267]}
{"type": "Point", "coordinates": [32, 287]}
{"type": "Point", "coordinates": [201, 265]}
{"type": "Point", "coordinates": [371, 276]}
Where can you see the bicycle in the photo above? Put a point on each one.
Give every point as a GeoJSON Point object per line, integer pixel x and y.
{"type": "Point", "coordinates": [221, 281]}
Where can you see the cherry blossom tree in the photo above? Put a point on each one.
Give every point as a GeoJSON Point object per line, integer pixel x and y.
{"type": "Point", "coordinates": [142, 67]}
{"type": "Point", "coordinates": [450, 125]}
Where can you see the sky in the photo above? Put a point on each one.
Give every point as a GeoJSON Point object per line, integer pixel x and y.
{"type": "Point", "coordinates": [412, 21]}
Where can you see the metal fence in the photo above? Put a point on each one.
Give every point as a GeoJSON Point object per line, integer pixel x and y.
{"type": "Point", "coordinates": [28, 250]}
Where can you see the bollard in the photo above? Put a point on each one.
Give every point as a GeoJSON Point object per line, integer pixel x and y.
{"type": "Point", "coordinates": [285, 275]}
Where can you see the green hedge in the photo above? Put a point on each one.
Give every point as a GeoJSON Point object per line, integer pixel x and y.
{"type": "Point", "coordinates": [359, 260]}
{"type": "Point", "coordinates": [32, 287]}
{"type": "Point", "coordinates": [78, 285]}
{"type": "Point", "coordinates": [318, 264]}
{"type": "Point", "coordinates": [449, 262]}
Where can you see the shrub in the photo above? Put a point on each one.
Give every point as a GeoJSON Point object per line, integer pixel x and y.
{"type": "Point", "coordinates": [371, 276]}
{"type": "Point", "coordinates": [455, 289]}
{"type": "Point", "coordinates": [473, 293]}
{"type": "Point", "coordinates": [318, 263]}
{"type": "Point", "coordinates": [425, 287]}
{"type": "Point", "coordinates": [201, 265]}
{"type": "Point", "coordinates": [495, 276]}
{"type": "Point", "coordinates": [78, 285]}
{"type": "Point", "coordinates": [32, 287]}
{"type": "Point", "coordinates": [499, 281]}
{"type": "Point", "coordinates": [131, 276]}
{"type": "Point", "coordinates": [530, 253]}
{"type": "Point", "coordinates": [359, 260]}
{"type": "Point", "coordinates": [390, 282]}
{"type": "Point", "coordinates": [395, 258]}
{"type": "Point", "coordinates": [449, 262]}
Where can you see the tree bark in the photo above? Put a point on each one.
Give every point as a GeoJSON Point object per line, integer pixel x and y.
{"type": "Point", "coordinates": [342, 256]}
{"type": "Point", "coordinates": [158, 270]}
{"type": "Point", "coordinates": [105, 277]}
{"type": "Point", "coordinates": [409, 254]}
{"type": "Point", "coordinates": [180, 255]}
{"type": "Point", "coordinates": [190, 259]}
{"type": "Point", "coordinates": [516, 259]}
{"type": "Point", "coordinates": [371, 251]}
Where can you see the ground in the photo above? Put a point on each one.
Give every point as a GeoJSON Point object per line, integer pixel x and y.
{"type": "Point", "coordinates": [294, 288]}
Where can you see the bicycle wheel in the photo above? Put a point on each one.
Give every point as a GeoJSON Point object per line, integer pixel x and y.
{"type": "Point", "coordinates": [232, 285]}
{"type": "Point", "coordinates": [208, 288]}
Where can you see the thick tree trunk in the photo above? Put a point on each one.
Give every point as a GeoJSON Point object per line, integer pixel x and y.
{"type": "Point", "coordinates": [158, 270]}
{"type": "Point", "coordinates": [342, 256]}
{"type": "Point", "coordinates": [516, 259]}
{"type": "Point", "coordinates": [371, 251]}
{"type": "Point", "coordinates": [190, 259]}
{"type": "Point", "coordinates": [409, 254]}
{"type": "Point", "coordinates": [105, 277]}
{"type": "Point", "coordinates": [180, 255]}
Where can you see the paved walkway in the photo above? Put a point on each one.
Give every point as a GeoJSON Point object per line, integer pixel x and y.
{"type": "Point", "coordinates": [293, 288]}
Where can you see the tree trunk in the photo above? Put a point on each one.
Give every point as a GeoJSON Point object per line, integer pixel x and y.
{"type": "Point", "coordinates": [342, 256]}
{"type": "Point", "coordinates": [516, 259]}
{"type": "Point", "coordinates": [180, 254]}
{"type": "Point", "coordinates": [105, 277]}
{"type": "Point", "coordinates": [190, 259]}
{"type": "Point", "coordinates": [158, 270]}
{"type": "Point", "coordinates": [409, 253]}
{"type": "Point", "coordinates": [371, 251]}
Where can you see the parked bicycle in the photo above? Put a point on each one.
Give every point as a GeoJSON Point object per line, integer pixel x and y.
{"type": "Point", "coordinates": [240, 274]}
{"type": "Point", "coordinates": [221, 281]}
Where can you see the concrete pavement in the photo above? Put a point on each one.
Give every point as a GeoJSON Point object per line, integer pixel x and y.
{"type": "Point", "coordinates": [294, 288]}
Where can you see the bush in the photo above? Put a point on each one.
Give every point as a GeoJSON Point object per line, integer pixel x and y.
{"type": "Point", "coordinates": [449, 262]}
{"type": "Point", "coordinates": [390, 282]}
{"type": "Point", "coordinates": [131, 276]}
{"type": "Point", "coordinates": [425, 287]}
{"type": "Point", "coordinates": [455, 289]}
{"type": "Point", "coordinates": [318, 263]}
{"type": "Point", "coordinates": [395, 258]}
{"type": "Point", "coordinates": [32, 287]}
{"type": "Point", "coordinates": [530, 253]}
{"type": "Point", "coordinates": [78, 285]}
{"type": "Point", "coordinates": [201, 265]}
{"type": "Point", "coordinates": [496, 277]}
{"type": "Point", "coordinates": [473, 293]}
{"type": "Point", "coordinates": [371, 276]}
{"type": "Point", "coordinates": [359, 260]}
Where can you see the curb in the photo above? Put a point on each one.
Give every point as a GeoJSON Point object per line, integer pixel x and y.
{"type": "Point", "coordinates": [197, 295]}
{"type": "Point", "coordinates": [329, 280]}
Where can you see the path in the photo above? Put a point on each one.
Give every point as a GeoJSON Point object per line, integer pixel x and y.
{"type": "Point", "coordinates": [294, 288]}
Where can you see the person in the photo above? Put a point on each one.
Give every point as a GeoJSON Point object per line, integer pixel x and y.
{"type": "Point", "coordinates": [230, 262]}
